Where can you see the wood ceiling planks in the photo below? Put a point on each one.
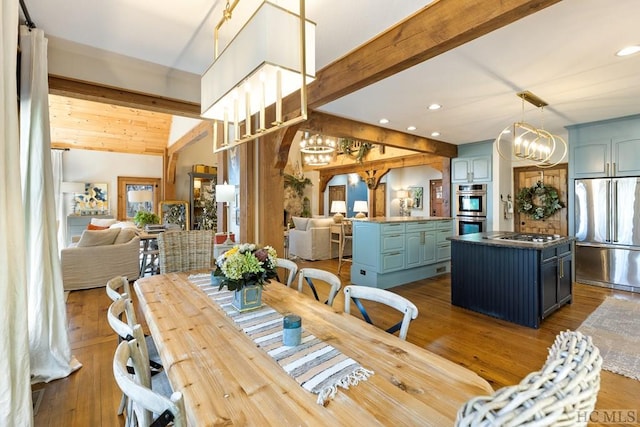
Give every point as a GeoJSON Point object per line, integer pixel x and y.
{"type": "Point", "coordinates": [88, 125]}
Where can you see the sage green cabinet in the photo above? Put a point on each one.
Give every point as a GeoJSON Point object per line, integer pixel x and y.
{"type": "Point", "coordinates": [471, 169]}
{"type": "Point", "coordinates": [607, 158]}
{"type": "Point", "coordinates": [387, 254]}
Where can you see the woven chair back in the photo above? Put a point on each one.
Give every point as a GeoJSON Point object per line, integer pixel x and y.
{"type": "Point", "coordinates": [185, 250]}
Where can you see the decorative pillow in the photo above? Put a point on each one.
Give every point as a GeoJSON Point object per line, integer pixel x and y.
{"type": "Point", "coordinates": [123, 224]}
{"type": "Point", "coordinates": [300, 223]}
{"type": "Point", "coordinates": [95, 227]}
{"type": "Point", "coordinates": [125, 235]}
{"type": "Point", "coordinates": [98, 237]}
{"type": "Point", "coordinates": [103, 222]}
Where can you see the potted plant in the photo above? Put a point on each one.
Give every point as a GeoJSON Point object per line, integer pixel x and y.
{"type": "Point", "coordinates": [143, 218]}
{"type": "Point", "coordinates": [244, 269]}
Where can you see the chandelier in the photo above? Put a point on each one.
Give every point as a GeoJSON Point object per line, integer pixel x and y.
{"type": "Point", "coordinates": [271, 54]}
{"type": "Point", "coordinates": [317, 150]}
{"type": "Point", "coordinates": [522, 141]}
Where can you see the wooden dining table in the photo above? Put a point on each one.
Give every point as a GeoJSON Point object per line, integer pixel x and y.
{"type": "Point", "coordinates": [226, 379]}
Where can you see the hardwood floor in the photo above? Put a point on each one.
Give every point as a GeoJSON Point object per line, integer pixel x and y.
{"type": "Point", "coordinates": [500, 352]}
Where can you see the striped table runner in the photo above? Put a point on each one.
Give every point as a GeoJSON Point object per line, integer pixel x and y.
{"type": "Point", "coordinates": [316, 366]}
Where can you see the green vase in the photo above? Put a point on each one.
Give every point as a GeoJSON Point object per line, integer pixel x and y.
{"type": "Point", "coordinates": [247, 298]}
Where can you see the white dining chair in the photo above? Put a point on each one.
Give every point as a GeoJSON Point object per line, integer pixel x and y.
{"type": "Point", "coordinates": [122, 319]}
{"type": "Point", "coordinates": [308, 275]}
{"type": "Point", "coordinates": [117, 287]}
{"type": "Point", "coordinates": [137, 386]}
{"type": "Point", "coordinates": [290, 266]}
{"type": "Point", "coordinates": [407, 308]}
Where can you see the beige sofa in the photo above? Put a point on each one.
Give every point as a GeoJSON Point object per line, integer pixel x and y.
{"type": "Point", "coordinates": [311, 239]}
{"type": "Point", "coordinates": [100, 255]}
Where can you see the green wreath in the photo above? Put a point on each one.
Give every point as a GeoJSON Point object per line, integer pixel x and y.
{"type": "Point", "coordinates": [547, 196]}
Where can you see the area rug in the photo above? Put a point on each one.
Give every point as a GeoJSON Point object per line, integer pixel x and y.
{"type": "Point", "coordinates": [615, 329]}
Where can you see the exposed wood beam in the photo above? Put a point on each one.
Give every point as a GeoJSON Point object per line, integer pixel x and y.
{"type": "Point", "coordinates": [199, 132]}
{"type": "Point", "coordinates": [365, 169]}
{"type": "Point", "coordinates": [345, 128]}
{"type": "Point", "coordinates": [99, 93]}
{"type": "Point", "coordinates": [437, 28]}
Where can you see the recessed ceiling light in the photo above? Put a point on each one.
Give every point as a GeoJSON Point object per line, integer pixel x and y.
{"type": "Point", "coordinates": [411, 128]}
{"type": "Point", "coordinates": [435, 107]}
{"type": "Point", "coordinates": [383, 121]}
{"type": "Point", "coordinates": [436, 133]}
{"type": "Point", "coordinates": [628, 50]}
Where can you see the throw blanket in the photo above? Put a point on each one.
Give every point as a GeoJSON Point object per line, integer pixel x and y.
{"type": "Point", "coordinates": [316, 366]}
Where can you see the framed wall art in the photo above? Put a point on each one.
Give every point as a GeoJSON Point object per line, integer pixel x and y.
{"type": "Point", "coordinates": [415, 193]}
{"type": "Point", "coordinates": [94, 200]}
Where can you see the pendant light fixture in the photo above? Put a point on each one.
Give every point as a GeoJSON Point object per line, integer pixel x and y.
{"type": "Point", "coordinates": [523, 142]}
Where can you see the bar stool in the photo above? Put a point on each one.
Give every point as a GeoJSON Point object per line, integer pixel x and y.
{"type": "Point", "coordinates": [347, 235]}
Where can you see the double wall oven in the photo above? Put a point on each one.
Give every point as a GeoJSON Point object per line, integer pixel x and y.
{"type": "Point", "coordinates": [471, 211]}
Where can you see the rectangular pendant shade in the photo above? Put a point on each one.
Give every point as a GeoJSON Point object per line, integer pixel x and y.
{"type": "Point", "coordinates": [260, 65]}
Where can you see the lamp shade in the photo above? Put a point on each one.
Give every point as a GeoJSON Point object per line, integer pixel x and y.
{"type": "Point", "coordinates": [225, 193]}
{"type": "Point", "coordinates": [339, 206]}
{"type": "Point", "coordinates": [360, 206]}
{"type": "Point", "coordinates": [263, 56]}
{"type": "Point", "coordinates": [140, 196]}
{"type": "Point", "coordinates": [72, 187]}
{"type": "Point", "coordinates": [402, 194]}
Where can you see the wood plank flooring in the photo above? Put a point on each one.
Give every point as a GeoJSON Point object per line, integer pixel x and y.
{"type": "Point", "coordinates": [500, 352]}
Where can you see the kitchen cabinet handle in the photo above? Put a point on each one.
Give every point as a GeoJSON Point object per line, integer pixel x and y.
{"type": "Point", "coordinates": [606, 170]}
{"type": "Point", "coordinates": [422, 239]}
{"type": "Point", "coordinates": [561, 268]}
{"type": "Point", "coordinates": [394, 235]}
{"type": "Point", "coordinates": [395, 253]}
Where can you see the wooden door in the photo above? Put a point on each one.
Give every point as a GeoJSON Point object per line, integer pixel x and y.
{"type": "Point", "coordinates": [555, 177]}
{"type": "Point", "coordinates": [379, 203]}
{"type": "Point", "coordinates": [435, 200]}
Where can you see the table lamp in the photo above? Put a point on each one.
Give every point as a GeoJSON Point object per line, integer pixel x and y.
{"type": "Point", "coordinates": [338, 207]}
{"type": "Point", "coordinates": [141, 197]}
{"type": "Point", "coordinates": [226, 193]}
{"type": "Point", "coordinates": [362, 207]}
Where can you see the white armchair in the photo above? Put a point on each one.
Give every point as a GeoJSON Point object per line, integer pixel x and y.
{"type": "Point", "coordinates": [311, 238]}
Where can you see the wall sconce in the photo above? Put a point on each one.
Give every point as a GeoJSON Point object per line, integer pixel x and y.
{"type": "Point", "coordinates": [339, 207]}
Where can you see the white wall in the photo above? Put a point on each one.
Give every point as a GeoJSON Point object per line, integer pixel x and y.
{"type": "Point", "coordinates": [101, 166]}
{"type": "Point", "coordinates": [81, 62]}
{"type": "Point", "coordinates": [402, 179]}
{"type": "Point", "coordinates": [180, 126]}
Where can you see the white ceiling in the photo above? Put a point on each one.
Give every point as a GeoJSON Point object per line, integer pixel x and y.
{"type": "Point", "coordinates": [564, 54]}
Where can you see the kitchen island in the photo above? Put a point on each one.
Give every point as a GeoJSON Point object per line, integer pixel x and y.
{"type": "Point", "coordinates": [391, 251]}
{"type": "Point", "coordinates": [515, 277]}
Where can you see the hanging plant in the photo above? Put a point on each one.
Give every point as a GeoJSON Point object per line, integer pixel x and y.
{"type": "Point", "coordinates": [547, 197]}
{"type": "Point", "coordinates": [297, 184]}
{"type": "Point", "coordinates": [347, 146]}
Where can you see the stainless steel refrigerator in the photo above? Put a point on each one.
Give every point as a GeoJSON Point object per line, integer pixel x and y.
{"type": "Point", "coordinates": [607, 231]}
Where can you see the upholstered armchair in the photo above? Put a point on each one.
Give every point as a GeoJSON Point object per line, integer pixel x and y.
{"type": "Point", "coordinates": [311, 238]}
{"type": "Point", "coordinates": [100, 255]}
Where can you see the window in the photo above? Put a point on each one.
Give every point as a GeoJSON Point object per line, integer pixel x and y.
{"type": "Point", "coordinates": [126, 209]}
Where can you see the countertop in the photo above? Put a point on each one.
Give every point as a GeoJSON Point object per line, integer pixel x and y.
{"type": "Point", "coordinates": [490, 238]}
{"type": "Point", "coordinates": [385, 219]}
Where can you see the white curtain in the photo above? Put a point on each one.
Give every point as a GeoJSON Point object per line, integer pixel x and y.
{"type": "Point", "coordinates": [61, 219]}
{"type": "Point", "coordinates": [50, 352]}
{"type": "Point", "coordinates": [15, 387]}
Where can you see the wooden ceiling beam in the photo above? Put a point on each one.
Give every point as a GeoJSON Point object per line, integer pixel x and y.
{"type": "Point", "coordinates": [339, 127]}
{"type": "Point", "coordinates": [435, 29]}
{"type": "Point", "coordinates": [98, 93]}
